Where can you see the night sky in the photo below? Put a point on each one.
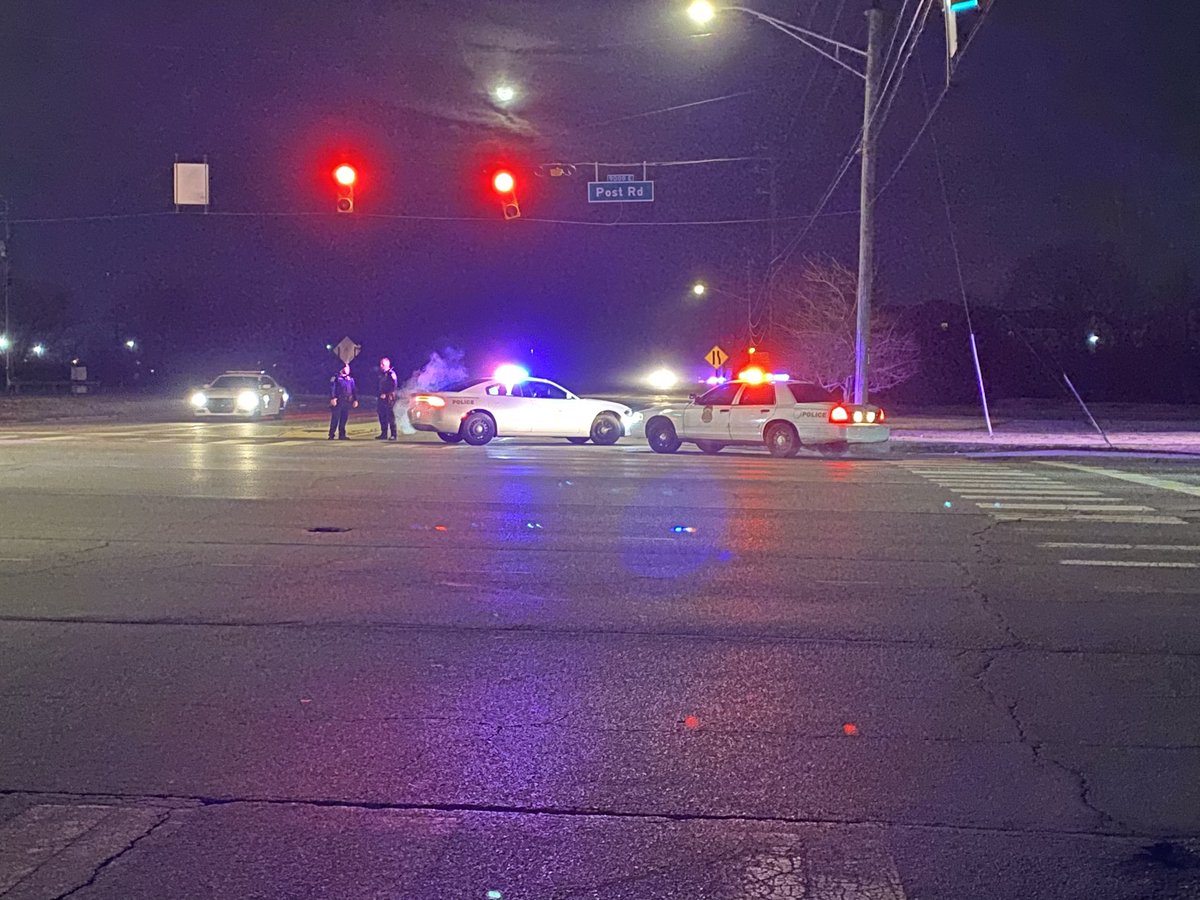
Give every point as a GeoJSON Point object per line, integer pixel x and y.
{"type": "Point", "coordinates": [1069, 123]}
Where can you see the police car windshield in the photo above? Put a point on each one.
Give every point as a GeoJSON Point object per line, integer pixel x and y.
{"type": "Point", "coordinates": [236, 381]}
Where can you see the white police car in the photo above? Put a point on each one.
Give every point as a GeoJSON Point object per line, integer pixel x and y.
{"type": "Point", "coordinates": [514, 405]}
{"type": "Point", "coordinates": [783, 415]}
{"type": "Point", "coordinates": [241, 394]}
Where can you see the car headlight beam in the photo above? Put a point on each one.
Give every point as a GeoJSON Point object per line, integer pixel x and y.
{"type": "Point", "coordinates": [199, 399]}
{"type": "Point", "coordinates": [247, 401]}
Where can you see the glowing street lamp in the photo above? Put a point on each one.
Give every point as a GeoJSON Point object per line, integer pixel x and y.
{"type": "Point", "coordinates": [698, 289]}
{"type": "Point", "coordinates": [131, 344]}
{"type": "Point", "coordinates": [39, 350]}
{"type": "Point", "coordinates": [5, 343]}
{"type": "Point", "coordinates": [504, 93]}
{"type": "Point", "coordinates": [701, 12]}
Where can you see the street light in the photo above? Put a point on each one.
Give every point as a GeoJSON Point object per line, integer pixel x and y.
{"type": "Point", "coordinates": [504, 93]}
{"type": "Point", "coordinates": [698, 289]}
{"type": "Point", "coordinates": [5, 343]}
{"type": "Point", "coordinates": [131, 344]}
{"type": "Point", "coordinates": [39, 350]}
{"type": "Point", "coordinates": [701, 12]}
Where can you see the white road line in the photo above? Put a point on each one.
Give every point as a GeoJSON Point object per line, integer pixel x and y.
{"type": "Point", "coordinates": [16, 559]}
{"type": "Point", "coordinates": [1066, 507]}
{"type": "Point", "coordinates": [1038, 495]}
{"type": "Point", "coordinates": [980, 476]}
{"type": "Point", "coordinates": [1033, 498]}
{"type": "Point", "coordinates": [1165, 484]}
{"type": "Point", "coordinates": [1077, 517]}
{"type": "Point", "coordinates": [1156, 548]}
{"type": "Point", "coordinates": [1128, 564]}
{"type": "Point", "coordinates": [989, 489]}
{"type": "Point", "coordinates": [1149, 589]}
{"type": "Point", "coordinates": [1004, 486]}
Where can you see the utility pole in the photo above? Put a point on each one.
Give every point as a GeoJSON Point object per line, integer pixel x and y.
{"type": "Point", "coordinates": [4, 272]}
{"type": "Point", "coordinates": [866, 223]}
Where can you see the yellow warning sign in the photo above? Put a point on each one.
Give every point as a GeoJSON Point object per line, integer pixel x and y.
{"type": "Point", "coordinates": [716, 357]}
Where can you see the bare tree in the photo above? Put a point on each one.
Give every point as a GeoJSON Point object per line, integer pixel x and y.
{"type": "Point", "coordinates": [813, 312]}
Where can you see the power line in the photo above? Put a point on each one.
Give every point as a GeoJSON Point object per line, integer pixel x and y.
{"type": "Point", "coordinates": [887, 57]}
{"type": "Point", "coordinates": [848, 160]}
{"type": "Point", "coordinates": [665, 109]}
{"type": "Point", "coordinates": [113, 217]}
{"type": "Point", "coordinates": [661, 163]}
{"type": "Point", "coordinates": [886, 104]}
{"type": "Point", "coordinates": [962, 284]}
{"type": "Point", "coordinates": [937, 103]}
{"type": "Point", "coordinates": [903, 58]}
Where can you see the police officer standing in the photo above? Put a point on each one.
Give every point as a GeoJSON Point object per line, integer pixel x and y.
{"type": "Point", "coordinates": [343, 396]}
{"type": "Point", "coordinates": [389, 384]}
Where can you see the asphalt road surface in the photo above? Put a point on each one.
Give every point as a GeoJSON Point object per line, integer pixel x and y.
{"type": "Point", "coordinates": [237, 661]}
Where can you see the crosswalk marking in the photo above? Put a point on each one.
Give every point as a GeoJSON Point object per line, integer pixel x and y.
{"type": "Point", "coordinates": [1012, 495]}
{"type": "Point", "coordinates": [1083, 517]}
{"type": "Point", "coordinates": [1156, 548]}
{"type": "Point", "coordinates": [1068, 506]}
{"type": "Point", "coordinates": [1103, 555]}
{"type": "Point", "coordinates": [1165, 484]}
{"type": "Point", "coordinates": [1129, 563]}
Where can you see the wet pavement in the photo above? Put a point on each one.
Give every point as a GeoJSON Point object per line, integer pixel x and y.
{"type": "Point", "coordinates": [244, 663]}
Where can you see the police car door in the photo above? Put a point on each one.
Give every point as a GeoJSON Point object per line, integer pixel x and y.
{"type": "Point", "coordinates": [544, 402]}
{"type": "Point", "coordinates": [755, 406]}
{"type": "Point", "coordinates": [505, 404]}
{"type": "Point", "coordinates": [707, 417]}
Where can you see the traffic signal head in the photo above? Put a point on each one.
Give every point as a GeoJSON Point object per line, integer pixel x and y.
{"type": "Point", "coordinates": [504, 184]}
{"type": "Point", "coordinates": [344, 177]}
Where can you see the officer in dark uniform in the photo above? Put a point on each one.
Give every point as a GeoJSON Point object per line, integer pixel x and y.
{"type": "Point", "coordinates": [343, 396]}
{"type": "Point", "coordinates": [389, 385]}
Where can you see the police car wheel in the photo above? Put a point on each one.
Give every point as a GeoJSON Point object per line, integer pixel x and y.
{"type": "Point", "coordinates": [578, 440]}
{"type": "Point", "coordinates": [449, 438]}
{"type": "Point", "coordinates": [781, 440]}
{"type": "Point", "coordinates": [478, 429]}
{"type": "Point", "coordinates": [710, 447]}
{"type": "Point", "coordinates": [661, 436]}
{"type": "Point", "coordinates": [606, 429]}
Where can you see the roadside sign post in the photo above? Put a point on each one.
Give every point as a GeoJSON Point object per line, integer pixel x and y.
{"type": "Point", "coordinates": [346, 350]}
{"type": "Point", "coordinates": [716, 357]}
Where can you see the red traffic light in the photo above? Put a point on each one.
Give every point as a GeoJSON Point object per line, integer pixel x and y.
{"type": "Point", "coordinates": [503, 182]}
{"type": "Point", "coordinates": [345, 175]}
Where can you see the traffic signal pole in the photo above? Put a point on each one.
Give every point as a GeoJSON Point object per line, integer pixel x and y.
{"type": "Point", "coordinates": [866, 221]}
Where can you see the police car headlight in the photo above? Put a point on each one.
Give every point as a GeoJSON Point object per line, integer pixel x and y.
{"type": "Point", "coordinates": [199, 399]}
{"type": "Point", "coordinates": [247, 400]}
